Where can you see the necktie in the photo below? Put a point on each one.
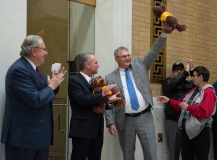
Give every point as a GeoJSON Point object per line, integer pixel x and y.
{"type": "Point", "coordinates": [39, 73]}
{"type": "Point", "coordinates": [132, 93]}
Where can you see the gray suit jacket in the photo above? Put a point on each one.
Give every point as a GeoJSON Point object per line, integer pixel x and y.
{"type": "Point", "coordinates": [140, 68]}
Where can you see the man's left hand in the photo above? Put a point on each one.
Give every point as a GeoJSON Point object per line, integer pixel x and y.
{"type": "Point", "coordinates": [62, 70]}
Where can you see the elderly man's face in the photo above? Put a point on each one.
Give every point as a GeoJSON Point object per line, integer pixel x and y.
{"type": "Point", "coordinates": [40, 53]}
{"type": "Point", "coordinates": [123, 59]}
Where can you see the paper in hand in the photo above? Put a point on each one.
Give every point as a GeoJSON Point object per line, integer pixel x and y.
{"type": "Point", "coordinates": [55, 67]}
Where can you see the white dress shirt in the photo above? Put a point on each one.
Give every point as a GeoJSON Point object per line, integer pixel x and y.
{"type": "Point", "coordinates": [86, 77]}
{"type": "Point", "coordinates": [143, 104]}
{"type": "Point", "coordinates": [32, 64]}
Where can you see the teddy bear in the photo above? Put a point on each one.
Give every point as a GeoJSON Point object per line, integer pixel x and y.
{"type": "Point", "coordinates": [98, 84]}
{"type": "Point", "coordinates": [170, 22]}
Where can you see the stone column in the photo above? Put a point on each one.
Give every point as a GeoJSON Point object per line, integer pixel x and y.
{"type": "Point", "coordinates": [113, 28]}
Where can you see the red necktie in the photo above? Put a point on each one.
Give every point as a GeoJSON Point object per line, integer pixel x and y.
{"type": "Point", "coordinates": [38, 72]}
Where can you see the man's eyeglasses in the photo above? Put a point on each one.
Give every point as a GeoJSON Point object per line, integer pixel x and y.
{"type": "Point", "coordinates": [125, 56]}
{"type": "Point", "coordinates": [178, 69]}
{"type": "Point", "coordinates": [45, 49]}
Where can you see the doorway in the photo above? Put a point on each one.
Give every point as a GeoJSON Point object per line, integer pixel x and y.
{"type": "Point", "coordinates": [68, 29]}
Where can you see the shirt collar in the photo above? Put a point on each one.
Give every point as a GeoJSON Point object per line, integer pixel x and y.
{"type": "Point", "coordinates": [86, 76]}
{"type": "Point", "coordinates": [123, 70]}
{"type": "Point", "coordinates": [32, 64]}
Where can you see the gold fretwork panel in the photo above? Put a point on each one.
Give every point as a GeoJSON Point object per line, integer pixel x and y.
{"type": "Point", "coordinates": [158, 70]}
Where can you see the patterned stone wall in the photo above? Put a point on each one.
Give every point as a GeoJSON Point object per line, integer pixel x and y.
{"type": "Point", "coordinates": [198, 42]}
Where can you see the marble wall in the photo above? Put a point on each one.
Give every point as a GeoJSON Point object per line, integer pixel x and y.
{"type": "Point", "coordinates": [113, 28]}
{"type": "Point", "coordinates": [13, 31]}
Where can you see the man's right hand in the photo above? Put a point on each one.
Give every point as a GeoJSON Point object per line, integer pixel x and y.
{"type": "Point", "coordinates": [191, 64]}
{"type": "Point", "coordinates": [55, 81]}
{"type": "Point", "coordinates": [112, 130]}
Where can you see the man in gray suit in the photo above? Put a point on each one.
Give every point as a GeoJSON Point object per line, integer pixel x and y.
{"type": "Point", "coordinates": [135, 118]}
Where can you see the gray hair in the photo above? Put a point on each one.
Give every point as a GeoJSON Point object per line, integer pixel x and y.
{"type": "Point", "coordinates": [31, 41]}
{"type": "Point", "coordinates": [83, 58]}
{"type": "Point", "coordinates": [116, 52]}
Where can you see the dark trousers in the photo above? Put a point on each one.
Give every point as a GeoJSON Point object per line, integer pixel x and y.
{"type": "Point", "coordinates": [174, 139]}
{"type": "Point", "coordinates": [198, 146]}
{"type": "Point", "coordinates": [214, 131]}
{"type": "Point", "coordinates": [17, 153]}
{"type": "Point", "coordinates": [86, 148]}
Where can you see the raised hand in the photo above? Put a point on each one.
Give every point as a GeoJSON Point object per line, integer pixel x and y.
{"type": "Point", "coordinates": [191, 64]}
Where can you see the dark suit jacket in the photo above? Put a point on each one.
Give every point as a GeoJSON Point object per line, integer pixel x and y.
{"type": "Point", "coordinates": [28, 120]}
{"type": "Point", "coordinates": [84, 122]}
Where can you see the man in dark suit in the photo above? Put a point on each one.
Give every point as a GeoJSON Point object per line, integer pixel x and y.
{"type": "Point", "coordinates": [86, 127]}
{"type": "Point", "coordinates": [27, 130]}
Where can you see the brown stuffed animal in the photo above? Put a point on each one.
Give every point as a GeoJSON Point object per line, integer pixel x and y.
{"type": "Point", "coordinates": [170, 22]}
{"type": "Point", "coordinates": [98, 84]}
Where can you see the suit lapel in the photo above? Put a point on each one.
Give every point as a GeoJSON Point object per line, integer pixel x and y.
{"type": "Point", "coordinates": [34, 73]}
{"type": "Point", "coordinates": [119, 83]}
{"type": "Point", "coordinates": [84, 81]}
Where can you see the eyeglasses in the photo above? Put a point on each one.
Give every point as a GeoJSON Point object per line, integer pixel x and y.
{"type": "Point", "coordinates": [178, 69]}
{"type": "Point", "coordinates": [125, 56]}
{"type": "Point", "coordinates": [194, 75]}
{"type": "Point", "coordinates": [45, 49]}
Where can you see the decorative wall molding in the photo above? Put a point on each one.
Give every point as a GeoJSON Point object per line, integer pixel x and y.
{"type": "Point", "coordinates": [158, 70]}
{"type": "Point", "coordinates": [88, 2]}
